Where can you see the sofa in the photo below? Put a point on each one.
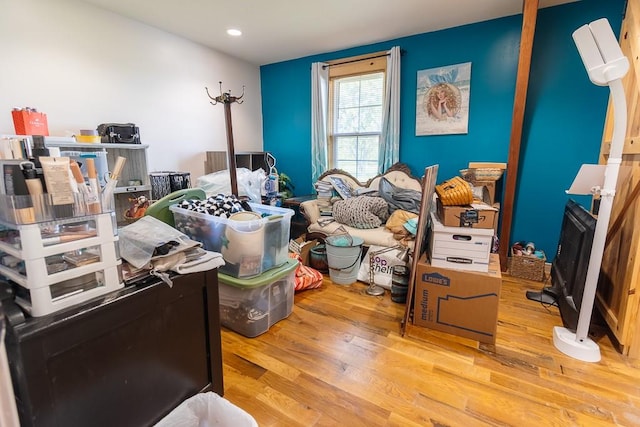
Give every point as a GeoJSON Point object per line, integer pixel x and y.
{"type": "Point", "coordinates": [399, 175]}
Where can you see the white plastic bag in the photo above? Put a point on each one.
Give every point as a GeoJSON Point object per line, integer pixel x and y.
{"type": "Point", "coordinates": [138, 241]}
{"type": "Point", "coordinates": [250, 184]}
{"type": "Point", "coordinates": [207, 410]}
{"type": "Point", "coordinates": [382, 266]}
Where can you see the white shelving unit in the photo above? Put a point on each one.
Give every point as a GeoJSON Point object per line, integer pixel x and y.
{"type": "Point", "coordinates": [135, 169]}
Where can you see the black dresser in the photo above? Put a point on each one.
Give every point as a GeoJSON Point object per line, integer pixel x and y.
{"type": "Point", "coordinates": [125, 359]}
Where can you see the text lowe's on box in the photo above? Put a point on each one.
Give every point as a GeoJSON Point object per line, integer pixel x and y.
{"type": "Point", "coordinates": [462, 303]}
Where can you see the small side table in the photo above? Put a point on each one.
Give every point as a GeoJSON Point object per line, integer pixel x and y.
{"type": "Point", "coordinates": [299, 223]}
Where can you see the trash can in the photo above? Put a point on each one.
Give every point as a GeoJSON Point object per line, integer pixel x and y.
{"type": "Point", "coordinates": [207, 410]}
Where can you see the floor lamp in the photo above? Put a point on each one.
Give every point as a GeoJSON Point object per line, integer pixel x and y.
{"type": "Point", "coordinates": [606, 65]}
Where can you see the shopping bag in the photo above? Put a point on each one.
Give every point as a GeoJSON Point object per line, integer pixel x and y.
{"type": "Point", "coordinates": [383, 264]}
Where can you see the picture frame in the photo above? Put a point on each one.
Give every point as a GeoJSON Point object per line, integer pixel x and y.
{"type": "Point", "coordinates": [442, 100]}
{"type": "Point", "coordinates": [428, 189]}
{"type": "Point", "coordinates": [342, 187]}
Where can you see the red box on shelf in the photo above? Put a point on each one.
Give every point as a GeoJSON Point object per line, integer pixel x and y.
{"type": "Point", "coordinates": [28, 122]}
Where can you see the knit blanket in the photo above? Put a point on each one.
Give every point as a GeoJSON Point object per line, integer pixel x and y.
{"type": "Point", "coordinates": [361, 212]}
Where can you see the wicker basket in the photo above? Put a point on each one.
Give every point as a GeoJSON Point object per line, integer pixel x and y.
{"type": "Point", "coordinates": [455, 192]}
{"type": "Point", "coordinates": [481, 174]}
{"type": "Point", "coordinates": [527, 266]}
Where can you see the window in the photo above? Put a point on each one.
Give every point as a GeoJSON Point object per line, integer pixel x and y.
{"type": "Point", "coordinates": [356, 98]}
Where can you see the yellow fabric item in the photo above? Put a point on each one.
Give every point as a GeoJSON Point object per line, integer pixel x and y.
{"type": "Point", "coordinates": [396, 222]}
{"type": "Point", "coordinates": [455, 192]}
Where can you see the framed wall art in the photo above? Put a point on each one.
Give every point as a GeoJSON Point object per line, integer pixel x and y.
{"type": "Point", "coordinates": [442, 100]}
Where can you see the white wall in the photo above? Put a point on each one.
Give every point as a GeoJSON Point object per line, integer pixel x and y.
{"type": "Point", "coordinates": [84, 66]}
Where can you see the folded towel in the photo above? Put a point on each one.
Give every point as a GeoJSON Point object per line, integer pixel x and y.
{"type": "Point", "coordinates": [206, 261]}
{"type": "Point", "coordinates": [185, 262]}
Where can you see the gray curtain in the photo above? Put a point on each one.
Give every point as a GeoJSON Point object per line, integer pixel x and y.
{"type": "Point", "coordinates": [319, 119]}
{"type": "Point", "coordinates": [390, 138]}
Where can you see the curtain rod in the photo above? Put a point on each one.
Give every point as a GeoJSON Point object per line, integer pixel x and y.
{"type": "Point", "coordinates": [355, 60]}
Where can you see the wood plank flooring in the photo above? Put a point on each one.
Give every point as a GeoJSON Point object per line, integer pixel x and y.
{"type": "Point", "coordinates": [338, 360]}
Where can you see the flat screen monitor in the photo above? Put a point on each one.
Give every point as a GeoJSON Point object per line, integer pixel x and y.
{"type": "Point", "coordinates": [569, 267]}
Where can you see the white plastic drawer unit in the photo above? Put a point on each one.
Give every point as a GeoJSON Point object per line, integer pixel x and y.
{"type": "Point", "coordinates": [459, 248]}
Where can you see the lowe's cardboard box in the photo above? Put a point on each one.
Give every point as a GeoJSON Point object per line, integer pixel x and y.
{"type": "Point", "coordinates": [462, 303]}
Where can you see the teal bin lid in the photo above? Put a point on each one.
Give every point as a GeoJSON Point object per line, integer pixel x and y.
{"type": "Point", "coordinates": [265, 278]}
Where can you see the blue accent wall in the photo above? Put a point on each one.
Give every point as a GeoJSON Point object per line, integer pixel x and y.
{"type": "Point", "coordinates": [564, 115]}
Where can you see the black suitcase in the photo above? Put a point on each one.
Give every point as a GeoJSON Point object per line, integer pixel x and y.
{"type": "Point", "coordinates": [119, 133]}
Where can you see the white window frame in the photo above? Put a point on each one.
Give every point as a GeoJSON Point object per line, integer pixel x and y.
{"type": "Point", "coordinates": [350, 67]}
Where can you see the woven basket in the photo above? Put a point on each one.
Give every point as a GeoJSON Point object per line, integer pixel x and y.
{"type": "Point", "coordinates": [481, 174]}
{"type": "Point", "coordinates": [527, 267]}
{"type": "Point", "coordinates": [455, 192]}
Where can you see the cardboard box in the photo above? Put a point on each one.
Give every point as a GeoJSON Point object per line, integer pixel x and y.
{"type": "Point", "coordinates": [302, 247]}
{"type": "Point", "coordinates": [491, 190]}
{"type": "Point", "coordinates": [458, 302]}
{"type": "Point", "coordinates": [475, 215]}
{"type": "Point", "coordinates": [459, 248]}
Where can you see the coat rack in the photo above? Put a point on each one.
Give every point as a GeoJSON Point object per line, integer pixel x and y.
{"type": "Point", "coordinates": [227, 100]}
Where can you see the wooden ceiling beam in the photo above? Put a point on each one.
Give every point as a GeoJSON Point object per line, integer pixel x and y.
{"type": "Point", "coordinates": [529, 16]}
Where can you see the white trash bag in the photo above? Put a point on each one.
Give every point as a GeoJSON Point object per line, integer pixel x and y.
{"type": "Point", "coordinates": [207, 410]}
{"type": "Point", "coordinates": [250, 183]}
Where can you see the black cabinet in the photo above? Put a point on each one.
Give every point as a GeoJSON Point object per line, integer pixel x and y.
{"type": "Point", "coordinates": [126, 359]}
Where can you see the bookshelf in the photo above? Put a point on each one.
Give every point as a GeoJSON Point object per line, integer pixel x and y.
{"type": "Point", "coordinates": [252, 160]}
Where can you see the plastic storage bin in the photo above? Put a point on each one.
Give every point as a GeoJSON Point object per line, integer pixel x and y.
{"type": "Point", "coordinates": [65, 262]}
{"type": "Point", "coordinates": [18, 210]}
{"type": "Point", "coordinates": [249, 246]}
{"type": "Point", "coordinates": [251, 306]}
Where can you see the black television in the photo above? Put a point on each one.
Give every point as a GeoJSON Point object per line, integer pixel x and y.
{"type": "Point", "coordinates": [570, 264]}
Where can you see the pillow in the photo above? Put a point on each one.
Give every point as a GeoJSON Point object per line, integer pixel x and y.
{"type": "Point", "coordinates": [400, 198]}
{"type": "Point", "coordinates": [361, 212]}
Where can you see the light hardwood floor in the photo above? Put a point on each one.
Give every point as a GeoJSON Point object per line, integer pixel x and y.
{"type": "Point", "coordinates": [338, 360]}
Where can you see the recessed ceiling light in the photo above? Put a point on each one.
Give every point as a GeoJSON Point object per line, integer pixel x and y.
{"type": "Point", "coordinates": [234, 32]}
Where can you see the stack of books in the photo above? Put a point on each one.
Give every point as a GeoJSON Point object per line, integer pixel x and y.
{"type": "Point", "coordinates": [325, 194]}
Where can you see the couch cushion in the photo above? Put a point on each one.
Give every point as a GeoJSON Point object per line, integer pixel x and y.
{"type": "Point", "coordinates": [399, 179]}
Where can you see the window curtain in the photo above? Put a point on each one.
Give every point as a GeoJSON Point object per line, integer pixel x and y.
{"type": "Point", "coordinates": [319, 118]}
{"type": "Point", "coordinates": [390, 143]}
